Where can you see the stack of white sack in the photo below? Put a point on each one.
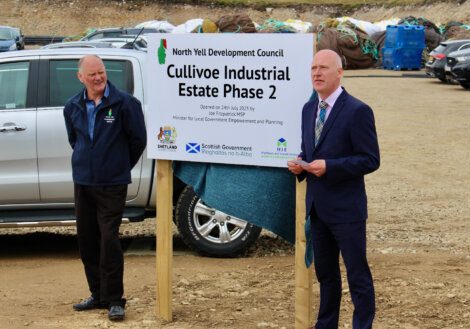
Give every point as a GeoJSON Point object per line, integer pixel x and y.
{"type": "Point", "coordinates": [161, 26]}
{"type": "Point", "coordinates": [368, 27]}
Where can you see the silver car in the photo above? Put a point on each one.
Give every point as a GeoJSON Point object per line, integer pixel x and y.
{"type": "Point", "coordinates": [36, 185]}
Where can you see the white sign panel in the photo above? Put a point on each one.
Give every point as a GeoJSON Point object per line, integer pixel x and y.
{"type": "Point", "coordinates": [227, 98]}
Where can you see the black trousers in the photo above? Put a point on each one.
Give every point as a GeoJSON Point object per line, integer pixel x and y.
{"type": "Point", "coordinates": [99, 212]}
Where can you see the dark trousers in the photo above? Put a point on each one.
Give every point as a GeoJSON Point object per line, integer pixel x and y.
{"type": "Point", "coordinates": [329, 239]}
{"type": "Point", "coordinates": [99, 212]}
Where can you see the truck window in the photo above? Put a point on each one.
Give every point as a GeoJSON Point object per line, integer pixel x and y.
{"type": "Point", "coordinates": [14, 85]}
{"type": "Point", "coordinates": [63, 82]}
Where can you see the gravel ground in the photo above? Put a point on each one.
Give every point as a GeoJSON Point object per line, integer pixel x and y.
{"type": "Point", "coordinates": [418, 238]}
{"type": "Point", "coordinates": [419, 213]}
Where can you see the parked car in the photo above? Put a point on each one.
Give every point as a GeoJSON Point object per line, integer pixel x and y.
{"type": "Point", "coordinates": [79, 44]}
{"type": "Point", "coordinates": [458, 64]}
{"type": "Point", "coordinates": [435, 66]}
{"type": "Point", "coordinates": [138, 43]}
{"type": "Point", "coordinates": [11, 39]}
{"type": "Point", "coordinates": [118, 32]}
{"type": "Point", "coordinates": [36, 185]}
{"type": "Point", "coordinates": [128, 42]}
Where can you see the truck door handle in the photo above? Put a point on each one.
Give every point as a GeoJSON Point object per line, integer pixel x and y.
{"type": "Point", "coordinates": [11, 127]}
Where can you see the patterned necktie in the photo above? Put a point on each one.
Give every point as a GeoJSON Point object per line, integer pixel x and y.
{"type": "Point", "coordinates": [320, 121]}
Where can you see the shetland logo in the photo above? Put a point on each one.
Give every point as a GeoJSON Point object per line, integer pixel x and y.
{"type": "Point", "coordinates": [167, 138]}
{"type": "Point", "coordinates": [281, 145]}
{"type": "Point", "coordinates": [167, 135]}
{"type": "Point", "coordinates": [193, 148]}
{"type": "Point", "coordinates": [161, 52]}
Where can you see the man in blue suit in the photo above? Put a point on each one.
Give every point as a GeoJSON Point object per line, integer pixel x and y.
{"type": "Point", "coordinates": [339, 147]}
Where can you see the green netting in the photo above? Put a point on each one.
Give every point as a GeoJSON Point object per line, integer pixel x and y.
{"type": "Point", "coordinates": [276, 26]}
{"type": "Point", "coordinates": [367, 46]}
{"type": "Point", "coordinates": [346, 32]}
{"type": "Point", "coordinates": [370, 47]}
{"type": "Point", "coordinates": [442, 29]}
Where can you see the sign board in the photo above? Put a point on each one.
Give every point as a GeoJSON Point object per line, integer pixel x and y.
{"type": "Point", "coordinates": [227, 98]}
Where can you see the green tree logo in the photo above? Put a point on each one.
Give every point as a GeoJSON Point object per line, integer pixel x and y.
{"type": "Point", "coordinates": [162, 52]}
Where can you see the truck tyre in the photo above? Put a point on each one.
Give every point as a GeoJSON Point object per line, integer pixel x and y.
{"type": "Point", "coordinates": [465, 84]}
{"type": "Point", "coordinates": [209, 231]}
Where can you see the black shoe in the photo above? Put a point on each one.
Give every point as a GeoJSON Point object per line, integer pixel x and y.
{"type": "Point", "coordinates": [116, 313]}
{"type": "Point", "coordinates": [89, 303]}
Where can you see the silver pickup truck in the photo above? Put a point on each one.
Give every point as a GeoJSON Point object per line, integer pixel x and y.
{"type": "Point", "coordinates": [36, 185]}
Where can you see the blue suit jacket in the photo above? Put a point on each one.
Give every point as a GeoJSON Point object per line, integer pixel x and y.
{"type": "Point", "coordinates": [349, 145]}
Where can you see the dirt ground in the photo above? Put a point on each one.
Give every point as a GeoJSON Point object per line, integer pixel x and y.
{"type": "Point", "coordinates": [418, 227]}
{"type": "Point", "coordinates": [418, 238]}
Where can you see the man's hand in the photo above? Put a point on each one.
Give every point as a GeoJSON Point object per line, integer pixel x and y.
{"type": "Point", "coordinates": [294, 168]}
{"type": "Point", "coordinates": [316, 167]}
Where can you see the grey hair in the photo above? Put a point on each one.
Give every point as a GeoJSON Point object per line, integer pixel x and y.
{"type": "Point", "coordinates": [80, 62]}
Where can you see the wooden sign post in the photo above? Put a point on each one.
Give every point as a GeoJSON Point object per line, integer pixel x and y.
{"type": "Point", "coordinates": [164, 236]}
{"type": "Point", "coordinates": [303, 275]}
{"type": "Point", "coordinates": [205, 125]}
{"type": "Point", "coordinates": [164, 253]}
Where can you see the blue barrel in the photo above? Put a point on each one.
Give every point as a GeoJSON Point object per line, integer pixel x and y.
{"type": "Point", "coordinates": [401, 58]}
{"type": "Point", "coordinates": [404, 36]}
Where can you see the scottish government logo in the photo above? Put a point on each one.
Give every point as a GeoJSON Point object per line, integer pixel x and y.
{"type": "Point", "coordinates": [193, 148]}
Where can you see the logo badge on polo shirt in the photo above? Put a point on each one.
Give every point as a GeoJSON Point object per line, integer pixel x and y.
{"type": "Point", "coordinates": [109, 118]}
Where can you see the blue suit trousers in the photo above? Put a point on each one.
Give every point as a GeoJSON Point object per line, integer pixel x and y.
{"type": "Point", "coordinates": [349, 239]}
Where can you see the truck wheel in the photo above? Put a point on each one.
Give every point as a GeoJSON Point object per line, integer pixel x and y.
{"type": "Point", "coordinates": [465, 84]}
{"type": "Point", "coordinates": [209, 231]}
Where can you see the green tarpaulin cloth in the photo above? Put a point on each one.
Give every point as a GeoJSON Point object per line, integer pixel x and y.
{"type": "Point", "coordinates": [263, 196]}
